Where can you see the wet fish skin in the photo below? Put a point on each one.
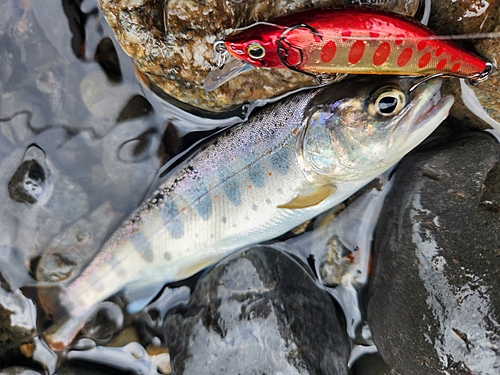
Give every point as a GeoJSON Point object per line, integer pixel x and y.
{"type": "Point", "coordinates": [226, 194]}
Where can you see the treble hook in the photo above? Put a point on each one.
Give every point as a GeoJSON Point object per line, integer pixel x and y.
{"type": "Point", "coordinates": [481, 77]}
{"type": "Point", "coordinates": [473, 79]}
{"type": "Point", "coordinates": [282, 40]}
{"type": "Point", "coordinates": [322, 78]}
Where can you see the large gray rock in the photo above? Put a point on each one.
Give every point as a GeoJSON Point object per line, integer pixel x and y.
{"type": "Point", "coordinates": [434, 304]}
{"type": "Point", "coordinates": [258, 312]}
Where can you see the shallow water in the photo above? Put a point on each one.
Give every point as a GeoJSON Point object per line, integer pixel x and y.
{"type": "Point", "coordinates": [82, 142]}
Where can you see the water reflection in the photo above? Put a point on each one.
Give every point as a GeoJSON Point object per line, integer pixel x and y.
{"type": "Point", "coordinates": [79, 148]}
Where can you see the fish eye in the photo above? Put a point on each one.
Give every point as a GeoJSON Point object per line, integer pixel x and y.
{"type": "Point", "coordinates": [256, 51]}
{"type": "Point", "coordinates": [387, 102]}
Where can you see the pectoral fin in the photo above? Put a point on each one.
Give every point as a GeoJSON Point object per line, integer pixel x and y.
{"type": "Point", "coordinates": [196, 267]}
{"type": "Point", "coordinates": [310, 198]}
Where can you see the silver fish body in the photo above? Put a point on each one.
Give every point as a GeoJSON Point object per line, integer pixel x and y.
{"type": "Point", "coordinates": [288, 163]}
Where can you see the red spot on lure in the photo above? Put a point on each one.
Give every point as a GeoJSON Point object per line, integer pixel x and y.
{"type": "Point", "coordinates": [351, 40]}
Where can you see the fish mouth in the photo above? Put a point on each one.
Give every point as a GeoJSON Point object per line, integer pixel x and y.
{"type": "Point", "coordinates": [427, 110]}
{"type": "Point", "coordinates": [436, 105]}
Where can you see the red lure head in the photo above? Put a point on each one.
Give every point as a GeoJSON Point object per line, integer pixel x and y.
{"type": "Point", "coordinates": [257, 45]}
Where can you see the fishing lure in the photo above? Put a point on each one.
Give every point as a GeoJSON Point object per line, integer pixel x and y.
{"type": "Point", "coordinates": [327, 43]}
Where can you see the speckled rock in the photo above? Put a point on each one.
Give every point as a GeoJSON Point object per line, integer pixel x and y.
{"type": "Point", "coordinates": [173, 47]}
{"type": "Point", "coordinates": [257, 313]}
{"type": "Point", "coordinates": [434, 304]}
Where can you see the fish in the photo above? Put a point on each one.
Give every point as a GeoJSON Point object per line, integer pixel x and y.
{"type": "Point", "coordinates": [291, 161]}
{"type": "Point", "coordinates": [328, 43]}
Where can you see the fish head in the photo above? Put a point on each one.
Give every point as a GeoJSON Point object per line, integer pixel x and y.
{"type": "Point", "coordinates": [257, 45]}
{"type": "Point", "coordinates": [358, 128]}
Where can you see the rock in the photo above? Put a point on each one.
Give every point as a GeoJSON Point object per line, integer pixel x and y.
{"type": "Point", "coordinates": [472, 17]}
{"type": "Point", "coordinates": [173, 47]}
{"type": "Point", "coordinates": [130, 359]}
{"type": "Point", "coordinates": [17, 321]}
{"type": "Point", "coordinates": [86, 368]}
{"type": "Point", "coordinates": [257, 312]}
{"type": "Point", "coordinates": [104, 98]}
{"type": "Point", "coordinates": [74, 248]}
{"type": "Point", "coordinates": [6, 13]}
{"type": "Point", "coordinates": [18, 370]}
{"type": "Point", "coordinates": [107, 58]}
{"type": "Point", "coordinates": [31, 183]}
{"type": "Point", "coordinates": [434, 305]}
{"type": "Point", "coordinates": [370, 364]}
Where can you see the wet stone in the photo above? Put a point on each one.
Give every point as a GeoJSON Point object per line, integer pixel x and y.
{"type": "Point", "coordinates": [19, 370]}
{"type": "Point", "coordinates": [74, 248]}
{"type": "Point", "coordinates": [434, 304]}
{"type": "Point", "coordinates": [87, 368]}
{"type": "Point", "coordinates": [137, 106]}
{"type": "Point", "coordinates": [27, 183]}
{"type": "Point", "coordinates": [472, 17]}
{"type": "Point", "coordinates": [6, 13]}
{"type": "Point", "coordinates": [107, 58]}
{"type": "Point", "coordinates": [370, 364]}
{"type": "Point", "coordinates": [262, 303]}
{"type": "Point", "coordinates": [30, 182]}
{"type": "Point", "coordinates": [103, 98]}
{"type": "Point", "coordinates": [17, 321]}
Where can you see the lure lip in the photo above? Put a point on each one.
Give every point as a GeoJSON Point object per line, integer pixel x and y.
{"type": "Point", "coordinates": [218, 76]}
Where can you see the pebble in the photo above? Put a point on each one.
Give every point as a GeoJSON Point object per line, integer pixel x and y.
{"type": "Point", "coordinates": [263, 303]}
{"type": "Point", "coordinates": [104, 98]}
{"type": "Point", "coordinates": [31, 182]}
{"type": "Point", "coordinates": [72, 249]}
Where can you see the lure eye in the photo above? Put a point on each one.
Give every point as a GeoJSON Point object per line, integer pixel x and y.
{"type": "Point", "coordinates": [256, 51]}
{"type": "Point", "coordinates": [387, 102]}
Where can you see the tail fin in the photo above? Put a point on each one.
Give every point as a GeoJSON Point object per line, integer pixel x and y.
{"type": "Point", "coordinates": [48, 298]}
{"type": "Point", "coordinates": [65, 326]}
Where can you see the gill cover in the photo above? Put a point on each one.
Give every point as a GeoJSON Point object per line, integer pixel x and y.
{"type": "Point", "coordinates": [346, 135]}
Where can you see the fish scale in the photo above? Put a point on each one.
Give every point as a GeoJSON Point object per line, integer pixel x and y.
{"type": "Point", "coordinates": [249, 184]}
{"type": "Point", "coordinates": [179, 202]}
